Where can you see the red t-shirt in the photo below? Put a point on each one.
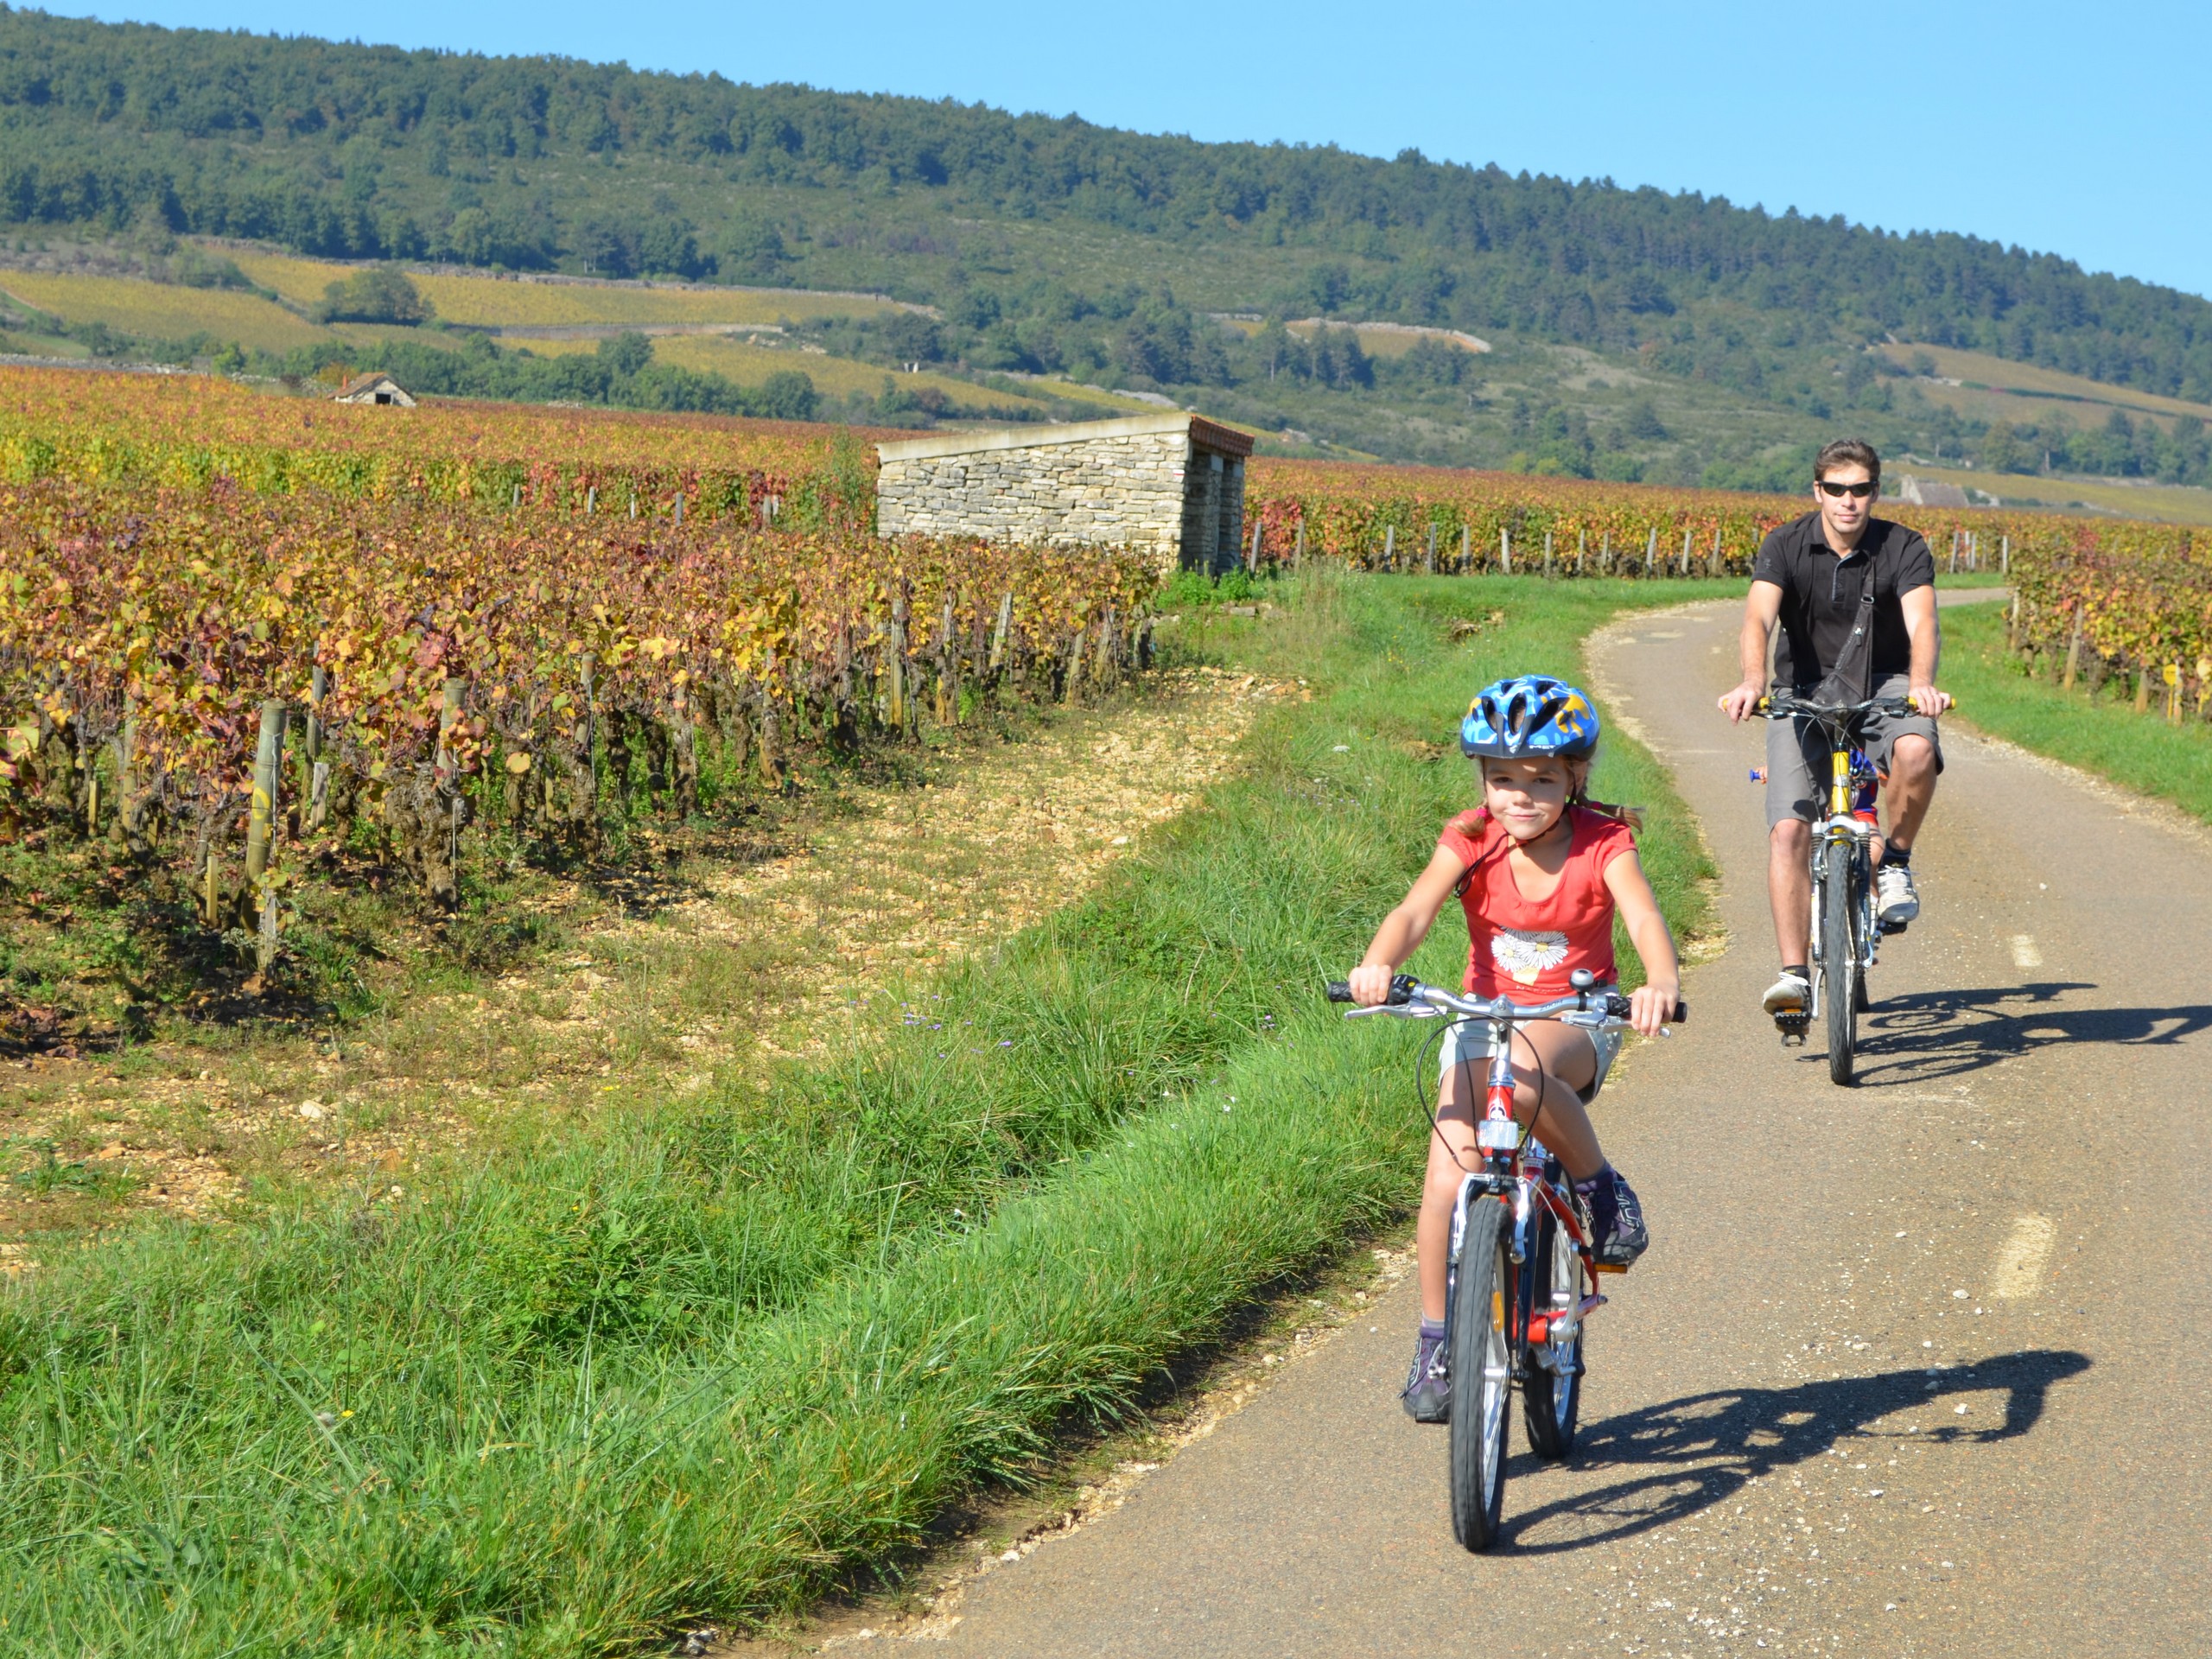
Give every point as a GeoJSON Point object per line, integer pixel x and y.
{"type": "Point", "coordinates": [1522, 948]}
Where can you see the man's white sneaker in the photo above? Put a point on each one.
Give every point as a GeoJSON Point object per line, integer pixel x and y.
{"type": "Point", "coordinates": [1788, 994]}
{"type": "Point", "coordinates": [1896, 901]}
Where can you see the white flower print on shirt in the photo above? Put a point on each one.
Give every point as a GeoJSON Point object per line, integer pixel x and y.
{"type": "Point", "coordinates": [1522, 954]}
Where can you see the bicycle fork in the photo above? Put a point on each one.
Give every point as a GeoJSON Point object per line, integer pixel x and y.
{"type": "Point", "coordinates": [1532, 1334]}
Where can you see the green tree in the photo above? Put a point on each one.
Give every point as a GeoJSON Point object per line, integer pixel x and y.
{"type": "Point", "coordinates": [626, 355]}
{"type": "Point", "coordinates": [380, 294]}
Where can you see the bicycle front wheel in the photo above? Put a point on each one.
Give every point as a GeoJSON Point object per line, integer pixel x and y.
{"type": "Point", "coordinates": [1838, 959]}
{"type": "Point", "coordinates": [1482, 1376]}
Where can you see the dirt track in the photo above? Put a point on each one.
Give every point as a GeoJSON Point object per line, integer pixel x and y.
{"type": "Point", "coordinates": [1917, 1367]}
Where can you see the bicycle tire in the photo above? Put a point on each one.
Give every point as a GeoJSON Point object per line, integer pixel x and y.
{"type": "Point", "coordinates": [1551, 1395]}
{"type": "Point", "coordinates": [1482, 1376]}
{"type": "Point", "coordinates": [1838, 961]}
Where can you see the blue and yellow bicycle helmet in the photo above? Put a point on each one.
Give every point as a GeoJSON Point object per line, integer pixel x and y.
{"type": "Point", "coordinates": [1528, 716]}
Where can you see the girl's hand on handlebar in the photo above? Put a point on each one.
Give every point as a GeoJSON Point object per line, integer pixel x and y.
{"type": "Point", "coordinates": [1651, 1007]}
{"type": "Point", "coordinates": [1371, 983]}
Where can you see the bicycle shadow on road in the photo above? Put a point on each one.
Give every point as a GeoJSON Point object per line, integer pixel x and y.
{"type": "Point", "coordinates": [1689, 1454]}
{"type": "Point", "coordinates": [1931, 1035]}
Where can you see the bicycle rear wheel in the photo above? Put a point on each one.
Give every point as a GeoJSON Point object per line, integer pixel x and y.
{"type": "Point", "coordinates": [1482, 1376]}
{"type": "Point", "coordinates": [1551, 1392]}
{"type": "Point", "coordinates": [1838, 959]}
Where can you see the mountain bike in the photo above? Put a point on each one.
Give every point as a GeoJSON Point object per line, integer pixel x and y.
{"type": "Point", "coordinates": [1846, 935]}
{"type": "Point", "coordinates": [1520, 1275]}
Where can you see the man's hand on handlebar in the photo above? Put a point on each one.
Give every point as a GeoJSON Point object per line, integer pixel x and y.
{"type": "Point", "coordinates": [1741, 703]}
{"type": "Point", "coordinates": [1371, 983]}
{"type": "Point", "coordinates": [1931, 702]}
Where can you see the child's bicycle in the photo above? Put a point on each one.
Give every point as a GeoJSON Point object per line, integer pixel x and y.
{"type": "Point", "coordinates": [1845, 933]}
{"type": "Point", "coordinates": [1520, 1272]}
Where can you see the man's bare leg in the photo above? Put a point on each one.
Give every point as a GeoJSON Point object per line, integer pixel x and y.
{"type": "Point", "coordinates": [1789, 889]}
{"type": "Point", "coordinates": [1913, 787]}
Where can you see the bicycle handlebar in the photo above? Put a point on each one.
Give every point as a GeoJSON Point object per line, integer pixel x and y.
{"type": "Point", "coordinates": [1407, 992]}
{"type": "Point", "coordinates": [1784, 705]}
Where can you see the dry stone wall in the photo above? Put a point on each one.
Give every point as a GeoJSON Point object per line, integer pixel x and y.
{"type": "Point", "coordinates": [1148, 482]}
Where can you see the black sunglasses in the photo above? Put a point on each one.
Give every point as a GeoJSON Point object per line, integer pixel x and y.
{"type": "Point", "coordinates": [1856, 491]}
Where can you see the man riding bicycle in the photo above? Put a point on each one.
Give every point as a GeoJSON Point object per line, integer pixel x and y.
{"type": "Point", "coordinates": [1855, 596]}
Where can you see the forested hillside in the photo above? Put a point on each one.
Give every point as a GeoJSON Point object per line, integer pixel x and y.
{"type": "Point", "coordinates": [1048, 245]}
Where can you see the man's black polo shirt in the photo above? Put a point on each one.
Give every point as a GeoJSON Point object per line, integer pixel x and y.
{"type": "Point", "coordinates": [1821, 596]}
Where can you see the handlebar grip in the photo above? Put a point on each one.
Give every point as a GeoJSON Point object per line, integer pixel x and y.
{"type": "Point", "coordinates": [1402, 990]}
{"type": "Point", "coordinates": [1617, 1007]}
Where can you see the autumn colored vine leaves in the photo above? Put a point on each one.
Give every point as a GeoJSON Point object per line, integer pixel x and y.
{"type": "Point", "coordinates": [433, 665]}
{"type": "Point", "coordinates": [237, 631]}
{"type": "Point", "coordinates": [2112, 596]}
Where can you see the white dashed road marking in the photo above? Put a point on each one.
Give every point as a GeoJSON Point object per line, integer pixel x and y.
{"type": "Point", "coordinates": [2019, 1264]}
{"type": "Point", "coordinates": [2025, 954]}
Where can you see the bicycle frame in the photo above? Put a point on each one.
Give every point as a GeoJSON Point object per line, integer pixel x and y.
{"type": "Point", "coordinates": [1848, 771]}
{"type": "Point", "coordinates": [1519, 1170]}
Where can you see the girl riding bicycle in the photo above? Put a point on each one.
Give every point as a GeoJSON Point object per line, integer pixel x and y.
{"type": "Point", "coordinates": [1541, 871]}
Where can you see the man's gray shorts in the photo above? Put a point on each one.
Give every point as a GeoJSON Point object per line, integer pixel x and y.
{"type": "Point", "coordinates": [1797, 756]}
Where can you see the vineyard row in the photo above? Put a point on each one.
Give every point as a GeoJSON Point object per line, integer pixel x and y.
{"type": "Point", "coordinates": [238, 685]}
{"type": "Point", "coordinates": [2085, 611]}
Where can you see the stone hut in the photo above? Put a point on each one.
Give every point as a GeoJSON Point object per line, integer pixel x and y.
{"type": "Point", "coordinates": [1928, 492]}
{"type": "Point", "coordinates": [1172, 485]}
{"type": "Point", "coordinates": [373, 388]}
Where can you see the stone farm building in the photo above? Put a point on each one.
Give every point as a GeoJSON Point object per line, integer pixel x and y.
{"type": "Point", "coordinates": [1172, 485]}
{"type": "Point", "coordinates": [373, 388]}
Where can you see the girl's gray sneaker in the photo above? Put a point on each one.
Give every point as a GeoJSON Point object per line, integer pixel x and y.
{"type": "Point", "coordinates": [1427, 1396]}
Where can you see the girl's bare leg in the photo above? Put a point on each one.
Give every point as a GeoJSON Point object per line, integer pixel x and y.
{"type": "Point", "coordinates": [1568, 1063]}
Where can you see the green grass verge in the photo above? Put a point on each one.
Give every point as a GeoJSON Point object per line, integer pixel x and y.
{"type": "Point", "coordinates": [703, 1361]}
{"type": "Point", "coordinates": [2101, 734]}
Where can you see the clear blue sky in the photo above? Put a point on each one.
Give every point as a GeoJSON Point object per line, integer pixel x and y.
{"type": "Point", "coordinates": [2076, 129]}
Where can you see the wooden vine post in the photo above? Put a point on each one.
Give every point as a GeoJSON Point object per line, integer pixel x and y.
{"type": "Point", "coordinates": [1072, 680]}
{"type": "Point", "coordinates": [1105, 666]}
{"type": "Point", "coordinates": [948, 668]}
{"type": "Point", "coordinates": [130, 809]}
{"type": "Point", "coordinates": [1466, 547]}
{"type": "Point", "coordinates": [999, 632]}
{"type": "Point", "coordinates": [1389, 545]}
{"type": "Point", "coordinates": [1504, 550]}
{"type": "Point", "coordinates": [1651, 552]}
{"type": "Point", "coordinates": [2074, 649]}
{"type": "Point", "coordinates": [1547, 555]}
{"type": "Point", "coordinates": [449, 778]}
{"type": "Point", "coordinates": [894, 681]}
{"type": "Point", "coordinates": [1431, 547]}
{"type": "Point", "coordinates": [267, 760]}
{"type": "Point", "coordinates": [1297, 552]}
{"type": "Point", "coordinates": [311, 761]}
{"type": "Point", "coordinates": [591, 730]}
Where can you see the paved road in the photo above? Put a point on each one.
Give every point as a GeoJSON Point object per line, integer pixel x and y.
{"type": "Point", "coordinates": [1919, 1367]}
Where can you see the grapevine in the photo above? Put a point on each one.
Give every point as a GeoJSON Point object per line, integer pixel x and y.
{"type": "Point", "coordinates": [441, 664]}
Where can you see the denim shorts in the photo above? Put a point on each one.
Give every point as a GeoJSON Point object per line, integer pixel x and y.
{"type": "Point", "coordinates": [1468, 1042]}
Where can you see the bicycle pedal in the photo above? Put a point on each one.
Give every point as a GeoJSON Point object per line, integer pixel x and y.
{"type": "Point", "coordinates": [1895, 927]}
{"type": "Point", "coordinates": [1608, 1266]}
{"type": "Point", "coordinates": [1792, 1028]}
